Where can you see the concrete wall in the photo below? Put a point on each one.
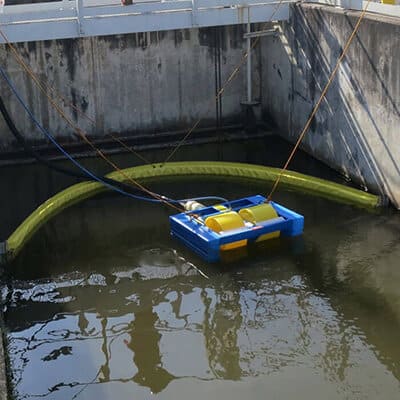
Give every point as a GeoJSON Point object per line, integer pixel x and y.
{"type": "Point", "coordinates": [129, 84]}
{"type": "Point", "coordinates": [156, 82]}
{"type": "Point", "coordinates": [3, 378]}
{"type": "Point", "coordinates": [356, 130]}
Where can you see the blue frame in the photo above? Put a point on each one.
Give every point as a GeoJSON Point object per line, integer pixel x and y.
{"type": "Point", "coordinates": [207, 243]}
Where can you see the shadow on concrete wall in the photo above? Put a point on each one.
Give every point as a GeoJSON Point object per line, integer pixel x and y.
{"type": "Point", "coordinates": [353, 131]}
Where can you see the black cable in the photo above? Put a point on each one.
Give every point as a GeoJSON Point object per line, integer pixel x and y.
{"type": "Point", "coordinates": [31, 151]}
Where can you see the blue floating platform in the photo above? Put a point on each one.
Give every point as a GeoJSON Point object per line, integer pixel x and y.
{"type": "Point", "coordinates": [207, 243]}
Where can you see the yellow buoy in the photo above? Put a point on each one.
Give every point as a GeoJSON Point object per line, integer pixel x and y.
{"type": "Point", "coordinates": [262, 212]}
{"type": "Point", "coordinates": [226, 222]}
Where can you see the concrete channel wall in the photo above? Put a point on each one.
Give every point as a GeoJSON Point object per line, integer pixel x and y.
{"type": "Point", "coordinates": [146, 84]}
{"type": "Point", "coordinates": [129, 84]}
{"type": "Point", "coordinates": [356, 130]}
{"type": "Point", "coordinates": [3, 378]}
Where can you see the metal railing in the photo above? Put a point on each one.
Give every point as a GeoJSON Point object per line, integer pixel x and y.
{"type": "Point", "coordinates": [76, 18]}
{"type": "Point", "coordinates": [63, 19]}
{"type": "Point", "coordinates": [375, 6]}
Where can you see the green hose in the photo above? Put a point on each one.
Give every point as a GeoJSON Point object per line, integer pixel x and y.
{"type": "Point", "coordinates": [81, 191]}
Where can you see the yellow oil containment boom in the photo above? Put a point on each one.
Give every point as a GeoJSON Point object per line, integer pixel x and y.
{"type": "Point", "coordinates": [81, 191]}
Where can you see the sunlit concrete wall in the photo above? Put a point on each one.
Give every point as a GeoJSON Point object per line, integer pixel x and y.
{"type": "Point", "coordinates": [129, 84]}
{"type": "Point", "coordinates": [357, 128]}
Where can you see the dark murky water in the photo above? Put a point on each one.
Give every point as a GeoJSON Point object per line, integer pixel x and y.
{"type": "Point", "coordinates": [103, 304]}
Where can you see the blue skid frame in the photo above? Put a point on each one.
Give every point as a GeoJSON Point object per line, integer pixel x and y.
{"type": "Point", "coordinates": [206, 242]}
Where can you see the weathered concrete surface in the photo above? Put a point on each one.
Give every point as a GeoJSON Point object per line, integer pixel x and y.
{"type": "Point", "coordinates": [356, 129]}
{"type": "Point", "coordinates": [157, 82]}
{"type": "Point", "coordinates": [129, 84]}
{"type": "Point", "coordinates": [3, 380]}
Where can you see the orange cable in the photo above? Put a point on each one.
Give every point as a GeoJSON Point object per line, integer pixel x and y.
{"type": "Point", "coordinates": [129, 148]}
{"type": "Point", "coordinates": [317, 105]}
{"type": "Point", "coordinates": [93, 122]}
{"type": "Point", "coordinates": [68, 103]}
{"type": "Point", "coordinates": [224, 86]}
{"type": "Point", "coordinates": [22, 63]}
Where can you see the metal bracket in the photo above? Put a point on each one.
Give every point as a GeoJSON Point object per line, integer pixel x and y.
{"type": "Point", "coordinates": [268, 32]}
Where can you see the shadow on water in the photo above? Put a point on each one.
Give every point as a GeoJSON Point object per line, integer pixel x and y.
{"type": "Point", "coordinates": [104, 304]}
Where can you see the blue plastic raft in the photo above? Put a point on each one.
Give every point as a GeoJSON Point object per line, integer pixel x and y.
{"type": "Point", "coordinates": [210, 230]}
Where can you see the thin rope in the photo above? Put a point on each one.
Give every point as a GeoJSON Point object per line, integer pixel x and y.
{"type": "Point", "coordinates": [223, 88]}
{"type": "Point", "coordinates": [129, 148]}
{"type": "Point", "coordinates": [317, 105]}
{"type": "Point", "coordinates": [87, 172]}
{"type": "Point", "coordinates": [94, 176]}
{"type": "Point", "coordinates": [44, 85]}
{"type": "Point", "coordinates": [70, 104]}
{"type": "Point", "coordinates": [80, 132]}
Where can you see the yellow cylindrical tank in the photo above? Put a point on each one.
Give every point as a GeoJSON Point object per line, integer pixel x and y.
{"type": "Point", "coordinates": [225, 222]}
{"type": "Point", "coordinates": [262, 212]}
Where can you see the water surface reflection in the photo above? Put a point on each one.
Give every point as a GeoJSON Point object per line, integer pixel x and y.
{"type": "Point", "coordinates": [103, 304]}
{"type": "Point", "coordinates": [161, 330]}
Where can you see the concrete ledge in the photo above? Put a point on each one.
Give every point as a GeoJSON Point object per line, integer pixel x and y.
{"type": "Point", "coordinates": [231, 133]}
{"type": "Point", "coordinates": [374, 13]}
{"type": "Point", "coordinates": [373, 6]}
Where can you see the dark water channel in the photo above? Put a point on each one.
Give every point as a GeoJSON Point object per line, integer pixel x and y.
{"type": "Point", "coordinates": [103, 304]}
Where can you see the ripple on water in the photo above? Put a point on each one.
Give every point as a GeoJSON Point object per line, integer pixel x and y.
{"type": "Point", "coordinates": [157, 326]}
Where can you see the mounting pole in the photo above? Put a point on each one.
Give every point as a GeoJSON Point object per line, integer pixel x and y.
{"type": "Point", "coordinates": [79, 15]}
{"type": "Point", "coordinates": [248, 39]}
{"type": "Point", "coordinates": [249, 104]}
{"type": "Point", "coordinates": [194, 13]}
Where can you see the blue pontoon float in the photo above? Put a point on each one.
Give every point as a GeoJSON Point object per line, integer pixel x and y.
{"type": "Point", "coordinates": [211, 230]}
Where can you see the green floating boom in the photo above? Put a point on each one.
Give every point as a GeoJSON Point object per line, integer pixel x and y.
{"type": "Point", "coordinates": [81, 191]}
